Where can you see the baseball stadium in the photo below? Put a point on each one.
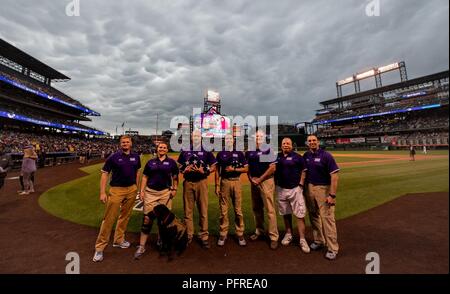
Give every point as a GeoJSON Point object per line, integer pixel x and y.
{"type": "Point", "coordinates": [390, 201]}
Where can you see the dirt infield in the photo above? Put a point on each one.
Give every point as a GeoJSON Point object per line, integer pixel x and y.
{"type": "Point", "coordinates": [410, 234]}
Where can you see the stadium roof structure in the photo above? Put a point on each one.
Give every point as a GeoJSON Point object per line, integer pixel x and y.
{"type": "Point", "coordinates": [14, 54]}
{"type": "Point", "coordinates": [392, 87]}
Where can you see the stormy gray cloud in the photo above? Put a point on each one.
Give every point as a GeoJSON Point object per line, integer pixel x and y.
{"type": "Point", "coordinates": [132, 60]}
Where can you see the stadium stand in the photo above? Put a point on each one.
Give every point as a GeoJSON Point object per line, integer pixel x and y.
{"type": "Point", "coordinates": [412, 112]}
{"type": "Point", "coordinates": [33, 112]}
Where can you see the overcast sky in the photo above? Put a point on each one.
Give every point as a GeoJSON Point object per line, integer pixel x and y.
{"type": "Point", "coordinates": [130, 60]}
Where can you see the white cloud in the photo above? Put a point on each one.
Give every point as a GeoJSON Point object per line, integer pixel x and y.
{"type": "Point", "coordinates": [132, 60]}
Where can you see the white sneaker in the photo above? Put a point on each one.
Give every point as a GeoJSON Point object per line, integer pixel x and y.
{"type": "Point", "coordinates": [24, 193]}
{"type": "Point", "coordinates": [123, 245]}
{"type": "Point", "coordinates": [287, 239]}
{"type": "Point", "coordinates": [304, 246]}
{"type": "Point", "coordinates": [330, 255]}
{"type": "Point", "coordinates": [242, 241]}
{"type": "Point", "coordinates": [221, 241]}
{"type": "Point", "coordinates": [98, 256]}
{"type": "Point", "coordinates": [139, 252]}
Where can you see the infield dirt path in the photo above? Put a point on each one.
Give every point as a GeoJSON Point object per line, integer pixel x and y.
{"type": "Point", "coordinates": [408, 239]}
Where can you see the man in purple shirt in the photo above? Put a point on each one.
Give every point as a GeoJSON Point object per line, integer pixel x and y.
{"type": "Point", "coordinates": [322, 179]}
{"type": "Point", "coordinates": [158, 186]}
{"type": "Point", "coordinates": [230, 165]}
{"type": "Point", "coordinates": [289, 179]}
{"type": "Point", "coordinates": [196, 165]}
{"type": "Point", "coordinates": [124, 166]}
{"type": "Point", "coordinates": [260, 175]}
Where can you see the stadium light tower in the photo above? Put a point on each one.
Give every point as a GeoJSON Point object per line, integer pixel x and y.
{"type": "Point", "coordinates": [374, 72]}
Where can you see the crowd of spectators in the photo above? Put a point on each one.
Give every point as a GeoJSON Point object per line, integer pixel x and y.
{"type": "Point", "coordinates": [439, 96]}
{"type": "Point", "coordinates": [423, 138]}
{"type": "Point", "coordinates": [45, 143]}
{"type": "Point", "coordinates": [411, 122]}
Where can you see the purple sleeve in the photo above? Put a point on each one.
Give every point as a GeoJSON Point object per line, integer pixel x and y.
{"type": "Point", "coordinates": [181, 158]}
{"type": "Point", "coordinates": [174, 169]}
{"type": "Point", "coordinates": [243, 158]}
{"type": "Point", "coordinates": [210, 159]}
{"type": "Point", "coordinates": [107, 167]}
{"type": "Point", "coordinates": [139, 162]}
{"type": "Point", "coordinates": [219, 161]}
{"type": "Point", "coordinates": [331, 164]}
{"type": "Point", "coordinates": [147, 169]}
{"type": "Point", "coordinates": [301, 163]}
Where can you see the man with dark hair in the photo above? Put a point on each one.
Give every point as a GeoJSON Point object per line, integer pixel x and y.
{"type": "Point", "coordinates": [124, 166]}
{"type": "Point", "coordinates": [5, 164]}
{"type": "Point", "coordinates": [322, 181]}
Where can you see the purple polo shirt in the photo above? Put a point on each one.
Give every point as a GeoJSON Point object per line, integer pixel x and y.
{"type": "Point", "coordinates": [255, 167]}
{"type": "Point", "coordinates": [230, 158]}
{"type": "Point", "coordinates": [289, 170]}
{"type": "Point", "coordinates": [205, 156]}
{"type": "Point", "coordinates": [123, 167]}
{"type": "Point", "coordinates": [160, 173]}
{"type": "Point", "coordinates": [320, 165]}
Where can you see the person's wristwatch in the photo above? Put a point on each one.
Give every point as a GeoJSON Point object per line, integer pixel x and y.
{"type": "Point", "coordinates": [332, 195]}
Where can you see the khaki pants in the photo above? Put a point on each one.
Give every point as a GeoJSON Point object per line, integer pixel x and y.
{"type": "Point", "coordinates": [155, 197]}
{"type": "Point", "coordinates": [120, 202]}
{"type": "Point", "coordinates": [231, 190]}
{"type": "Point", "coordinates": [322, 217]}
{"type": "Point", "coordinates": [196, 192]}
{"type": "Point", "coordinates": [262, 196]}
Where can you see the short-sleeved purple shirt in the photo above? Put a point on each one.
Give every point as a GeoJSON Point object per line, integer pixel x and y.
{"type": "Point", "coordinates": [320, 165]}
{"type": "Point", "coordinates": [123, 168]}
{"type": "Point", "coordinates": [160, 173]}
{"type": "Point", "coordinates": [255, 166]}
{"type": "Point", "coordinates": [289, 170]}
{"type": "Point", "coordinates": [205, 157]}
{"type": "Point", "coordinates": [230, 158]}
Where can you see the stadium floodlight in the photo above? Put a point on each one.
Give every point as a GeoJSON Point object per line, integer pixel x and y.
{"type": "Point", "coordinates": [345, 81]}
{"type": "Point", "coordinates": [389, 67]}
{"type": "Point", "coordinates": [212, 96]}
{"type": "Point", "coordinates": [367, 74]}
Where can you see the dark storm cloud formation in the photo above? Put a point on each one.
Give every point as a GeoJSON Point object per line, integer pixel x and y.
{"type": "Point", "coordinates": [130, 60]}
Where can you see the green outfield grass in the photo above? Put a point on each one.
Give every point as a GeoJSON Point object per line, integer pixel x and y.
{"type": "Point", "coordinates": [360, 188]}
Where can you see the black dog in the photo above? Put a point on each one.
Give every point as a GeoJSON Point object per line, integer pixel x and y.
{"type": "Point", "coordinates": [172, 231]}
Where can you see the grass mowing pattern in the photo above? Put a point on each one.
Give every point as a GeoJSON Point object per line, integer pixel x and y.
{"type": "Point", "coordinates": [360, 188]}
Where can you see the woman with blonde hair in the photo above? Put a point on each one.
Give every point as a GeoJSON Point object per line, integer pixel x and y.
{"type": "Point", "coordinates": [28, 168]}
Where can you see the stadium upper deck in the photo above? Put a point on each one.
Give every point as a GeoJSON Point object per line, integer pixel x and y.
{"type": "Point", "coordinates": [412, 112]}
{"type": "Point", "coordinates": [28, 99]}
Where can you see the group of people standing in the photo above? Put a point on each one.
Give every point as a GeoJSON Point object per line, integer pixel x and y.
{"type": "Point", "coordinates": [302, 183]}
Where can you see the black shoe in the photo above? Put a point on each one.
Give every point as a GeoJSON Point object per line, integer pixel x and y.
{"type": "Point", "coordinates": [256, 236]}
{"type": "Point", "coordinates": [205, 244]}
{"type": "Point", "coordinates": [273, 245]}
{"type": "Point", "coordinates": [316, 246]}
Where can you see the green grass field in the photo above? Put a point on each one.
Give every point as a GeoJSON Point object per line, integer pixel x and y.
{"type": "Point", "coordinates": [361, 187]}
